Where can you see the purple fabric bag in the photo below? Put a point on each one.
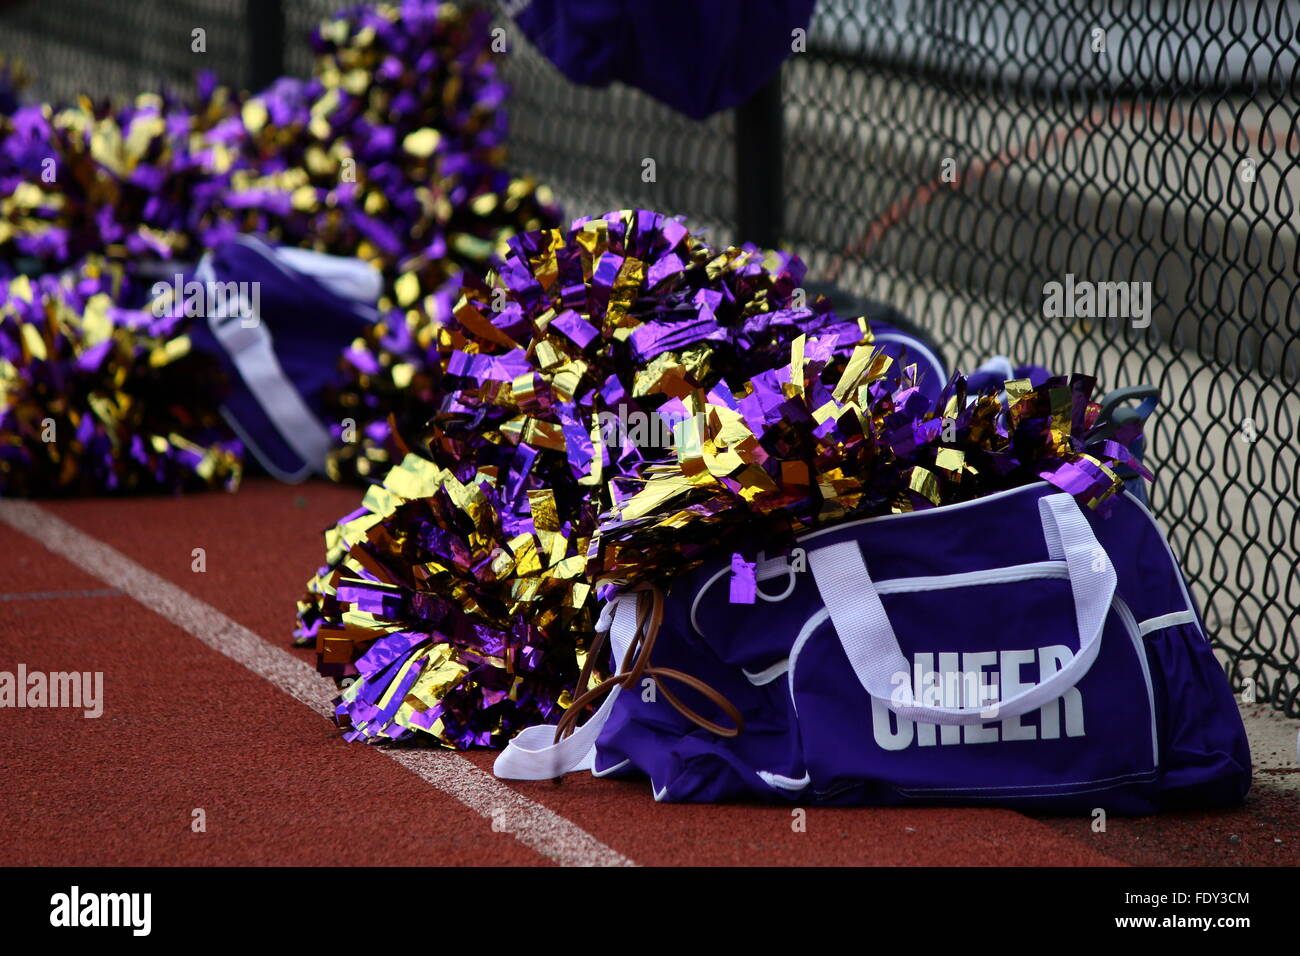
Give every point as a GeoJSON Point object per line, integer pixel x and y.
{"type": "Point", "coordinates": [1017, 650]}
{"type": "Point", "coordinates": [698, 58]}
{"type": "Point", "coordinates": [289, 316]}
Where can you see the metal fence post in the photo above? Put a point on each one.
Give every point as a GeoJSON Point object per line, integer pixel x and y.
{"type": "Point", "coordinates": [265, 22]}
{"type": "Point", "coordinates": [759, 192]}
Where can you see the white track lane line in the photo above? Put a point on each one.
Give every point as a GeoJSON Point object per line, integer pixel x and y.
{"type": "Point", "coordinates": [532, 824]}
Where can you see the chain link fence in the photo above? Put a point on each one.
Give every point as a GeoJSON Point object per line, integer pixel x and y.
{"type": "Point", "coordinates": [107, 48]}
{"type": "Point", "coordinates": [952, 160]}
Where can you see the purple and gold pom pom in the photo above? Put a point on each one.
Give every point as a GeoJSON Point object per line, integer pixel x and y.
{"type": "Point", "coordinates": [103, 399]}
{"type": "Point", "coordinates": [822, 440]}
{"type": "Point", "coordinates": [459, 600]}
{"type": "Point", "coordinates": [392, 152]}
{"type": "Point", "coordinates": [457, 594]}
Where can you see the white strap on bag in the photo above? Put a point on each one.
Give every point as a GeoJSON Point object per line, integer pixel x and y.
{"type": "Point", "coordinates": [351, 279]}
{"type": "Point", "coordinates": [249, 345]}
{"type": "Point", "coordinates": [872, 648]}
{"type": "Point", "coordinates": [533, 754]}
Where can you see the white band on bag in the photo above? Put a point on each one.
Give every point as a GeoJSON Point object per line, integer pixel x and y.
{"type": "Point", "coordinates": [251, 350]}
{"type": "Point", "coordinates": [872, 648]}
{"type": "Point", "coordinates": [351, 279]}
{"type": "Point", "coordinates": [533, 754]}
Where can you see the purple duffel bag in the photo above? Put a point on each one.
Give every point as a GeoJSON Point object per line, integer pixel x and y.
{"type": "Point", "coordinates": [1016, 650]}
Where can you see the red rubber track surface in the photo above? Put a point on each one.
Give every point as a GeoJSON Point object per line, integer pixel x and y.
{"type": "Point", "coordinates": [185, 727]}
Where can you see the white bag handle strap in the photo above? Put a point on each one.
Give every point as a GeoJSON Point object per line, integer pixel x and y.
{"type": "Point", "coordinates": [872, 647]}
{"type": "Point", "coordinates": [247, 341]}
{"type": "Point", "coordinates": [358, 282]}
{"type": "Point", "coordinates": [533, 754]}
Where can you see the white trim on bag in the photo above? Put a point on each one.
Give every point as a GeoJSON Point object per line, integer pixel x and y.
{"type": "Point", "coordinates": [1166, 620]}
{"type": "Point", "coordinates": [1033, 570]}
{"type": "Point", "coordinates": [780, 782]}
{"type": "Point", "coordinates": [809, 628]}
{"type": "Point", "coordinates": [695, 603]}
{"type": "Point", "coordinates": [763, 571]}
{"type": "Point", "coordinates": [767, 674]}
{"type": "Point", "coordinates": [1135, 633]}
{"type": "Point", "coordinates": [1188, 606]}
{"type": "Point", "coordinates": [925, 512]}
{"type": "Point", "coordinates": [947, 509]}
{"type": "Point", "coordinates": [278, 473]}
